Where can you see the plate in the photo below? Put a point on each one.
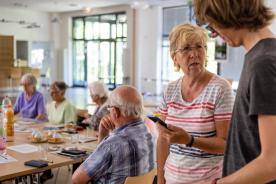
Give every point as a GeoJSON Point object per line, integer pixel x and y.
{"type": "Point", "coordinates": [71, 155]}
{"type": "Point", "coordinates": [54, 148]}
{"type": "Point", "coordinates": [84, 139]}
{"type": "Point", "coordinates": [52, 141]}
{"type": "Point", "coordinates": [68, 130]}
{"type": "Point", "coordinates": [42, 140]}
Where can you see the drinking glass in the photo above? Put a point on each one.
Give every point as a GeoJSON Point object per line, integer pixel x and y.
{"type": "Point", "coordinates": [43, 149]}
{"type": "Point", "coordinates": [74, 138]}
{"type": "Point", "coordinates": [3, 142]}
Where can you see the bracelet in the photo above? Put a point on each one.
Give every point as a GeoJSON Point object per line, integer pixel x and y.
{"type": "Point", "coordinates": [190, 144]}
{"type": "Point", "coordinates": [215, 181]}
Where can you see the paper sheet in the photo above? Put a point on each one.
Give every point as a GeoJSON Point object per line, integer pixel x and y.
{"type": "Point", "coordinates": [27, 121]}
{"type": "Point", "coordinates": [83, 139]}
{"type": "Point", "coordinates": [24, 148]}
{"type": "Point", "coordinates": [6, 159]}
{"type": "Point", "coordinates": [21, 122]}
{"type": "Point", "coordinates": [53, 126]}
{"type": "Point", "coordinates": [22, 128]}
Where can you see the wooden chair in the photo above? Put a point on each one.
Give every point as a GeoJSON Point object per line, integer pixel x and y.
{"type": "Point", "coordinates": [143, 179]}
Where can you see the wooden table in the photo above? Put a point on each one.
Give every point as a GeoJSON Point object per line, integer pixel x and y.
{"type": "Point", "coordinates": [17, 168]}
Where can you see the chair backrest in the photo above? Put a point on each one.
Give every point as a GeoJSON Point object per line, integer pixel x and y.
{"type": "Point", "coordinates": [143, 179]}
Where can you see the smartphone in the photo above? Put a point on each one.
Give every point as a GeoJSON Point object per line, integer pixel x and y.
{"type": "Point", "coordinates": [36, 163]}
{"type": "Point", "coordinates": [74, 152]}
{"type": "Point", "coordinates": [156, 119]}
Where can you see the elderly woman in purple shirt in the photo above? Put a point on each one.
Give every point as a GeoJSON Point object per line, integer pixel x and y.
{"type": "Point", "coordinates": [30, 103]}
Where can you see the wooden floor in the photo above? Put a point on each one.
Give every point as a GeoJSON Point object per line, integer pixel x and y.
{"type": "Point", "coordinates": [61, 176]}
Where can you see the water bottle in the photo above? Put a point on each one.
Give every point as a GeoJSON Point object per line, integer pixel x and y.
{"type": "Point", "coordinates": [9, 123]}
{"type": "Point", "coordinates": [6, 102]}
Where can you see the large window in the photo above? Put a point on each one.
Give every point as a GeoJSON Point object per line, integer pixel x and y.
{"type": "Point", "coordinates": [98, 43]}
{"type": "Point", "coordinates": [173, 16]}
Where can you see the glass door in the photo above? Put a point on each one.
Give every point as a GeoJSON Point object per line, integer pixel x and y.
{"type": "Point", "coordinates": [79, 63]}
{"type": "Point", "coordinates": [98, 43]}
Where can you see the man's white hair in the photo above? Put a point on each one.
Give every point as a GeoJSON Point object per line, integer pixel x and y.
{"type": "Point", "coordinates": [132, 108]}
{"type": "Point", "coordinates": [98, 88]}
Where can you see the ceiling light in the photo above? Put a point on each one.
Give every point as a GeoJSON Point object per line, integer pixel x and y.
{"type": "Point", "coordinates": [21, 22]}
{"type": "Point", "coordinates": [87, 10]}
{"type": "Point", "coordinates": [73, 4]}
{"type": "Point", "coordinates": [21, 5]}
{"type": "Point", "coordinates": [140, 5]}
{"type": "Point", "coordinates": [33, 25]}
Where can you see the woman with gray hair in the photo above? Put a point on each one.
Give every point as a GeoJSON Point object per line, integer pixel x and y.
{"type": "Point", "coordinates": [30, 103]}
{"type": "Point", "coordinates": [99, 95]}
{"type": "Point", "coordinates": [60, 110]}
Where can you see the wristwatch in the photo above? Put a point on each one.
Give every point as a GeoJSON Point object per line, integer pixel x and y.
{"type": "Point", "coordinates": [190, 144]}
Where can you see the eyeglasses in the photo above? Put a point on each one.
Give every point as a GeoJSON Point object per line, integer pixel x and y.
{"type": "Point", "coordinates": [187, 49]}
{"type": "Point", "coordinates": [213, 33]}
{"type": "Point", "coordinates": [110, 107]}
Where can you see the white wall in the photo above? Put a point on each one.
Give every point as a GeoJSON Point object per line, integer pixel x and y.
{"type": "Point", "coordinates": [21, 33]}
{"type": "Point", "coordinates": [272, 4]}
{"type": "Point", "coordinates": [144, 42]}
{"type": "Point", "coordinates": [56, 66]}
{"type": "Point", "coordinates": [144, 46]}
{"type": "Point", "coordinates": [148, 43]}
{"type": "Point", "coordinates": [232, 69]}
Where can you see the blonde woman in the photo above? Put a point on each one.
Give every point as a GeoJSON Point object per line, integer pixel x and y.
{"type": "Point", "coordinates": [197, 108]}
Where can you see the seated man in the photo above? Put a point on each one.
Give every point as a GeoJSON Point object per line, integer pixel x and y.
{"type": "Point", "coordinates": [128, 150]}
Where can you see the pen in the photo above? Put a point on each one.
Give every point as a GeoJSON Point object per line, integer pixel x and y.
{"type": "Point", "coordinates": [3, 157]}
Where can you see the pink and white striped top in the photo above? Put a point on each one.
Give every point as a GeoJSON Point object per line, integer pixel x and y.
{"type": "Point", "coordinates": [188, 164]}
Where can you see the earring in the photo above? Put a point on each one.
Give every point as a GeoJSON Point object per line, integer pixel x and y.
{"type": "Point", "coordinates": [176, 67]}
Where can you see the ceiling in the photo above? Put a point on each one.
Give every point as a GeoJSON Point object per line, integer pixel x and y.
{"type": "Point", "coordinates": [72, 5]}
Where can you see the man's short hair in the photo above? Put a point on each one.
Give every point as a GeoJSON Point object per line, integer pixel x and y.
{"type": "Point", "coordinates": [250, 14]}
{"type": "Point", "coordinates": [133, 107]}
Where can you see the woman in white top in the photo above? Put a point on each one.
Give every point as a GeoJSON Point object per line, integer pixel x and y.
{"type": "Point", "coordinates": [60, 110]}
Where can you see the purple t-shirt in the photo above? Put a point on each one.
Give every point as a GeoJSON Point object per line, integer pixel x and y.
{"type": "Point", "coordinates": [31, 108]}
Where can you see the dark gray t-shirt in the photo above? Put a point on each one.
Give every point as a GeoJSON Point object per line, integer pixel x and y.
{"type": "Point", "coordinates": [256, 94]}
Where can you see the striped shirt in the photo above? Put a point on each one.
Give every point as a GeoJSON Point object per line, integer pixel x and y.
{"type": "Point", "coordinates": [128, 151]}
{"type": "Point", "coordinates": [214, 104]}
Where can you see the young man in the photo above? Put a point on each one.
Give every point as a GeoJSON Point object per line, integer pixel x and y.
{"type": "Point", "coordinates": [127, 150]}
{"type": "Point", "coordinates": [250, 155]}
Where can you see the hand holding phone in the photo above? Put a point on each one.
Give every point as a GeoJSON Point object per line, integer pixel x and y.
{"type": "Point", "coordinates": [155, 119]}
